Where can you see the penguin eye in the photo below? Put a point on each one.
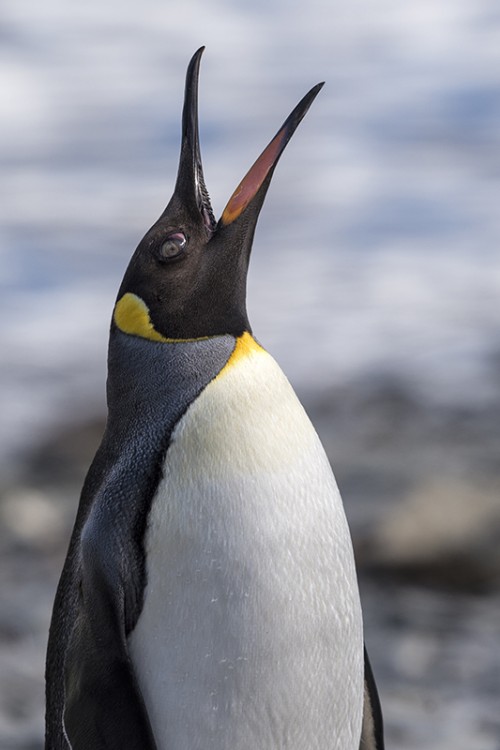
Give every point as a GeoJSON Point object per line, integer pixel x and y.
{"type": "Point", "coordinates": [173, 247]}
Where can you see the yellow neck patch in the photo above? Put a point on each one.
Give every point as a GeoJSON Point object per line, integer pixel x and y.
{"type": "Point", "coordinates": [245, 345]}
{"type": "Point", "coordinates": [131, 315]}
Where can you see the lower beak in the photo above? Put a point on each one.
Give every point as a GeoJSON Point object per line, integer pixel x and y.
{"type": "Point", "coordinates": [258, 177]}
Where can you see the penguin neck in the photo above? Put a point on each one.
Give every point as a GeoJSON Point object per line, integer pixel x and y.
{"type": "Point", "coordinates": [133, 316]}
{"type": "Point", "coordinates": [149, 380]}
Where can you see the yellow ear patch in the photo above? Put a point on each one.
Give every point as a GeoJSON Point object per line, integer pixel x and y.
{"type": "Point", "coordinates": [132, 316]}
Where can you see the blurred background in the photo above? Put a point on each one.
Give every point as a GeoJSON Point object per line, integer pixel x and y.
{"type": "Point", "coordinates": [375, 282]}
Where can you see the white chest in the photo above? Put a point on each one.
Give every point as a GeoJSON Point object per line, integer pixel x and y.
{"type": "Point", "coordinates": [251, 634]}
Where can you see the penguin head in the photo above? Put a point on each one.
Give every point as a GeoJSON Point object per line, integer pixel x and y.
{"type": "Point", "coordinates": [187, 278]}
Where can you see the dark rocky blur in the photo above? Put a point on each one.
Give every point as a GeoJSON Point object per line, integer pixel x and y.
{"type": "Point", "coordinates": [421, 486]}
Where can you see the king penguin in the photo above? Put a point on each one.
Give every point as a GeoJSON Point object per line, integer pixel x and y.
{"type": "Point", "coordinates": [209, 598]}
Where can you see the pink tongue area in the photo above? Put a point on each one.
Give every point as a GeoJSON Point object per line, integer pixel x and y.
{"type": "Point", "coordinates": [254, 178]}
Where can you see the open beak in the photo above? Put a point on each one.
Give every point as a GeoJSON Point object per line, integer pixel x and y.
{"type": "Point", "coordinates": [190, 186]}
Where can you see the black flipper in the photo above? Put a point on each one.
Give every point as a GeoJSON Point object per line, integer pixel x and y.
{"type": "Point", "coordinates": [372, 731]}
{"type": "Point", "coordinates": [104, 708]}
{"type": "Point", "coordinates": [93, 700]}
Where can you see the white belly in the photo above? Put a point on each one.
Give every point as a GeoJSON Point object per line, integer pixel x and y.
{"type": "Point", "coordinates": [250, 636]}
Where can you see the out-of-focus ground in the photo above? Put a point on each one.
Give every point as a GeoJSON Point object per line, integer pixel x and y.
{"type": "Point", "coordinates": [421, 488]}
{"type": "Point", "coordinates": [375, 282]}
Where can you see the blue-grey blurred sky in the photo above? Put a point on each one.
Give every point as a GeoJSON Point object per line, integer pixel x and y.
{"type": "Point", "coordinates": [378, 247]}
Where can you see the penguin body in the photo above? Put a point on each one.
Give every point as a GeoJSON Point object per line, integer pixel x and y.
{"type": "Point", "coordinates": [209, 596]}
{"type": "Point", "coordinates": [246, 517]}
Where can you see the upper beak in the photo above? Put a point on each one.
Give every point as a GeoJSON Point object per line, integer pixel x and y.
{"type": "Point", "coordinates": [190, 185]}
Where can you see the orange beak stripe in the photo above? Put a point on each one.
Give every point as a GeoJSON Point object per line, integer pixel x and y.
{"type": "Point", "coordinates": [254, 178]}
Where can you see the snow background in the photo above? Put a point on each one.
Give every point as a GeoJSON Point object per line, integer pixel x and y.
{"type": "Point", "coordinates": [377, 249]}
